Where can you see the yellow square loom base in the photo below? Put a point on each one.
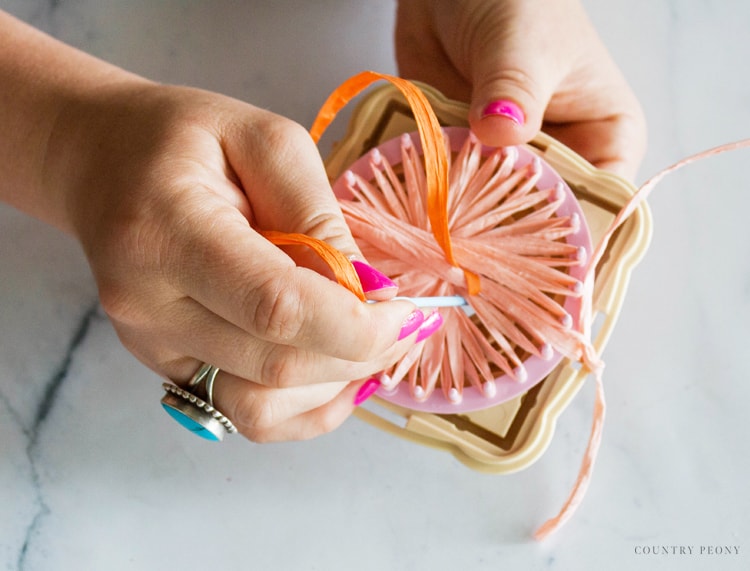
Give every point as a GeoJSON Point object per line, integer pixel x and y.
{"type": "Point", "coordinates": [510, 436]}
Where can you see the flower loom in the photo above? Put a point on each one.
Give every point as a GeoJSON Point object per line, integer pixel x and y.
{"type": "Point", "coordinates": [535, 238]}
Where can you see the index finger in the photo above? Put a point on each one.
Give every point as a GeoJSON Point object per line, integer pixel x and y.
{"type": "Point", "coordinates": [237, 274]}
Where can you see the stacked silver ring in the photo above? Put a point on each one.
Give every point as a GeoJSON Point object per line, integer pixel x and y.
{"type": "Point", "coordinates": [193, 407]}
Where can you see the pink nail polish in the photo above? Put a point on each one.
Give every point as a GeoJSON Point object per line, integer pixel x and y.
{"type": "Point", "coordinates": [366, 391]}
{"type": "Point", "coordinates": [371, 279]}
{"type": "Point", "coordinates": [430, 325]}
{"type": "Point", "coordinates": [505, 108]}
{"type": "Point", "coordinates": [411, 324]}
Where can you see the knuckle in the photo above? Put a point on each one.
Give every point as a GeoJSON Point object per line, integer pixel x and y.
{"type": "Point", "coordinates": [277, 314]}
{"type": "Point", "coordinates": [328, 421]}
{"type": "Point", "coordinates": [128, 264]}
{"type": "Point", "coordinates": [369, 342]}
{"type": "Point", "coordinates": [281, 131]}
{"type": "Point", "coordinates": [256, 414]}
{"type": "Point", "coordinates": [326, 226]}
{"type": "Point", "coordinates": [283, 139]}
{"type": "Point", "coordinates": [119, 304]}
{"type": "Point", "coordinates": [257, 436]}
{"type": "Point", "coordinates": [525, 82]}
{"type": "Point", "coordinates": [280, 369]}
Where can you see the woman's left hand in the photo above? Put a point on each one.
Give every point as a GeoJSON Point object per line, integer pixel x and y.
{"type": "Point", "coordinates": [525, 65]}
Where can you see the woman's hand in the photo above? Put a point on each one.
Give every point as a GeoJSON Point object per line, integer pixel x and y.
{"type": "Point", "coordinates": [525, 65]}
{"type": "Point", "coordinates": [165, 187]}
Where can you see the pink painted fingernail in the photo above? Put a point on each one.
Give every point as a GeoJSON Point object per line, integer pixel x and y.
{"type": "Point", "coordinates": [505, 108]}
{"type": "Point", "coordinates": [366, 391]}
{"type": "Point", "coordinates": [430, 325]}
{"type": "Point", "coordinates": [371, 279]}
{"type": "Point", "coordinates": [411, 324]}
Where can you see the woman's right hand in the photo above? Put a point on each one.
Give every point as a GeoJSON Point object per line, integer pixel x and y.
{"type": "Point", "coordinates": [165, 188]}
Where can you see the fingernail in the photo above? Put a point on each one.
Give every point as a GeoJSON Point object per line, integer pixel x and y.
{"type": "Point", "coordinates": [505, 108]}
{"type": "Point", "coordinates": [411, 324]}
{"type": "Point", "coordinates": [429, 326]}
{"type": "Point", "coordinates": [371, 279]}
{"type": "Point", "coordinates": [366, 391]}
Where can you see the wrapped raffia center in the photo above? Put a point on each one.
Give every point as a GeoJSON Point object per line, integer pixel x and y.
{"type": "Point", "coordinates": [504, 229]}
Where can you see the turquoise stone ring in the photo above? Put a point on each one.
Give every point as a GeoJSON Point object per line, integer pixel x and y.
{"type": "Point", "coordinates": [197, 414]}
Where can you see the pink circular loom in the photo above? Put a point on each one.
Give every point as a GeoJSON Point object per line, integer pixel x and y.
{"type": "Point", "coordinates": [537, 367]}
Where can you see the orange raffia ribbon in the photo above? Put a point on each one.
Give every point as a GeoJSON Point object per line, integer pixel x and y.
{"type": "Point", "coordinates": [338, 262]}
{"type": "Point", "coordinates": [433, 147]}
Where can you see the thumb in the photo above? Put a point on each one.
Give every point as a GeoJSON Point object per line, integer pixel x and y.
{"type": "Point", "coordinates": [509, 97]}
{"type": "Point", "coordinates": [512, 83]}
{"type": "Point", "coordinates": [283, 177]}
{"type": "Point", "coordinates": [287, 188]}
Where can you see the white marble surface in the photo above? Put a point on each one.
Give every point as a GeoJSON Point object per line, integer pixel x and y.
{"type": "Point", "coordinates": [93, 475]}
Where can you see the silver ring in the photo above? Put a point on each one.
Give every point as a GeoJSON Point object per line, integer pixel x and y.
{"type": "Point", "coordinates": [193, 407]}
{"type": "Point", "coordinates": [206, 373]}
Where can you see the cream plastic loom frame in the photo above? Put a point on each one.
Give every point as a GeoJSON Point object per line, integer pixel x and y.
{"type": "Point", "coordinates": [510, 436]}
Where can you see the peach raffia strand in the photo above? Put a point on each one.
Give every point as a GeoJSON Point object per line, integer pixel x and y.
{"type": "Point", "coordinates": [584, 475]}
{"type": "Point", "coordinates": [646, 189]}
{"type": "Point", "coordinates": [586, 470]}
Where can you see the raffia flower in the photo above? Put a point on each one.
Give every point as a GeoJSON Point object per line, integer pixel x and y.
{"type": "Point", "coordinates": [524, 241]}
